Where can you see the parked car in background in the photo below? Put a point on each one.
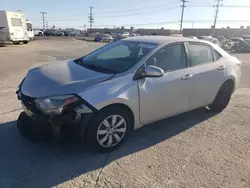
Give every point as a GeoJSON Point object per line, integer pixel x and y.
{"type": "Point", "coordinates": [120, 36]}
{"type": "Point", "coordinates": [134, 35]}
{"type": "Point", "coordinates": [240, 44]}
{"type": "Point", "coordinates": [98, 38]}
{"type": "Point", "coordinates": [107, 38]}
{"type": "Point", "coordinates": [49, 32]}
{"type": "Point", "coordinates": [67, 33]}
{"type": "Point", "coordinates": [221, 38]}
{"type": "Point", "coordinates": [103, 38]}
{"type": "Point", "coordinates": [38, 32]}
{"type": "Point", "coordinates": [176, 35]}
{"type": "Point", "coordinates": [103, 96]}
{"type": "Point", "coordinates": [211, 39]}
{"type": "Point", "coordinates": [53, 32]}
{"type": "Point", "coordinates": [192, 37]}
{"type": "Point", "coordinates": [246, 38]}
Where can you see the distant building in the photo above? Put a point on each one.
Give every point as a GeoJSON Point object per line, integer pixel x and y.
{"type": "Point", "coordinates": [107, 30]}
{"type": "Point", "coordinates": [161, 32]}
{"type": "Point", "coordinates": [227, 32]}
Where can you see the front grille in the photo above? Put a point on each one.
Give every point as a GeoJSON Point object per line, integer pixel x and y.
{"type": "Point", "coordinates": [30, 104]}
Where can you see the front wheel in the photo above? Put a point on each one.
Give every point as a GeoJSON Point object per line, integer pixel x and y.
{"type": "Point", "coordinates": [109, 129]}
{"type": "Point", "coordinates": [25, 42]}
{"type": "Point", "coordinates": [223, 97]}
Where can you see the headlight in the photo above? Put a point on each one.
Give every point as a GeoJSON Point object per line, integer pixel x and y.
{"type": "Point", "coordinates": [55, 104]}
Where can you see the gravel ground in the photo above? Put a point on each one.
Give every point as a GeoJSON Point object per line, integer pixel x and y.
{"type": "Point", "coordinates": [195, 149]}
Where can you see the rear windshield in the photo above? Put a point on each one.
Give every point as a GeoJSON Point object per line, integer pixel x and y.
{"type": "Point", "coordinates": [16, 22]}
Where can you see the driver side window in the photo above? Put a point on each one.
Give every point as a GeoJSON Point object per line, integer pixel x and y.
{"type": "Point", "coordinates": [169, 58]}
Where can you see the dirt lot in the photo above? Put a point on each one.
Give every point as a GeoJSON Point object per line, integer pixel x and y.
{"type": "Point", "coordinates": [196, 149]}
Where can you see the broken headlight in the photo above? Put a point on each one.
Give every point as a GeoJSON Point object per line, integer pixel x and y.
{"type": "Point", "coordinates": [55, 104]}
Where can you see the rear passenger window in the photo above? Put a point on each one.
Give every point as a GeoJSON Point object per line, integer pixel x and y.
{"type": "Point", "coordinates": [200, 54]}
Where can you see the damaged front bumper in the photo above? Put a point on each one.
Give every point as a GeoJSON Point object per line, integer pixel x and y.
{"type": "Point", "coordinates": [36, 126]}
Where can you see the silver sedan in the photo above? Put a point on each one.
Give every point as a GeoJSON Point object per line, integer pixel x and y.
{"type": "Point", "coordinates": [124, 86]}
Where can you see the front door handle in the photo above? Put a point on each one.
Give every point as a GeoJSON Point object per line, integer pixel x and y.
{"type": "Point", "coordinates": [187, 76]}
{"type": "Point", "coordinates": [220, 68]}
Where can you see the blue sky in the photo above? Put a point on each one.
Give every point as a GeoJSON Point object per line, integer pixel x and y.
{"type": "Point", "coordinates": [137, 13]}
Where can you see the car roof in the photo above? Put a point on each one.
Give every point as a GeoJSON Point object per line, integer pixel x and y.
{"type": "Point", "coordinates": [160, 39]}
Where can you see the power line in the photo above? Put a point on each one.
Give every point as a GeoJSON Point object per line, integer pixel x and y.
{"type": "Point", "coordinates": [122, 15]}
{"type": "Point", "coordinates": [114, 12]}
{"type": "Point", "coordinates": [140, 13]}
{"type": "Point", "coordinates": [43, 18]}
{"type": "Point", "coordinates": [138, 9]}
{"type": "Point", "coordinates": [182, 13]}
{"type": "Point", "coordinates": [91, 19]}
{"type": "Point", "coordinates": [216, 12]}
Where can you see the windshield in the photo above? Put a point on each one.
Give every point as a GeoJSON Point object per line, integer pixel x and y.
{"type": "Point", "coordinates": [116, 57]}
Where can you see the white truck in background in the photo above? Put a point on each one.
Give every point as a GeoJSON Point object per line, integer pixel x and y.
{"type": "Point", "coordinates": [14, 27]}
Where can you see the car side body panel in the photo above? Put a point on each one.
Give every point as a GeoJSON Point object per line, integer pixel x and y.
{"type": "Point", "coordinates": [119, 90]}
{"type": "Point", "coordinates": [207, 81]}
{"type": "Point", "coordinates": [234, 71]}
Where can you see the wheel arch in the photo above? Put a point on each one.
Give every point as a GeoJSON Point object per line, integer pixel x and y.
{"type": "Point", "coordinates": [121, 105]}
{"type": "Point", "coordinates": [125, 107]}
{"type": "Point", "coordinates": [231, 80]}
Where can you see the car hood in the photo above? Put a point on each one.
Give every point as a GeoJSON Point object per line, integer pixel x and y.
{"type": "Point", "coordinates": [60, 79]}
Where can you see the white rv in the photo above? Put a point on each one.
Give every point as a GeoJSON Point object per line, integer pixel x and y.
{"type": "Point", "coordinates": [30, 30]}
{"type": "Point", "coordinates": [13, 26]}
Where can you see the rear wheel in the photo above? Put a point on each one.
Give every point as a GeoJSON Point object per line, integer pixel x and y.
{"type": "Point", "coordinates": [25, 42]}
{"type": "Point", "coordinates": [109, 129]}
{"type": "Point", "coordinates": [223, 97]}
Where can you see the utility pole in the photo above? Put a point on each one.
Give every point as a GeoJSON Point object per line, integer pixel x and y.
{"type": "Point", "coordinates": [182, 13]}
{"type": "Point", "coordinates": [91, 19]}
{"type": "Point", "coordinates": [43, 18]}
{"type": "Point", "coordinates": [47, 25]}
{"type": "Point", "coordinates": [216, 12]}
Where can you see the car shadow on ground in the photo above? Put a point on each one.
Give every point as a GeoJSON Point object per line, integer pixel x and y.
{"type": "Point", "coordinates": [24, 164]}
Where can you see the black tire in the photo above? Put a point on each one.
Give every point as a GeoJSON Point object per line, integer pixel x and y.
{"type": "Point", "coordinates": [92, 135]}
{"type": "Point", "coordinates": [25, 128]}
{"type": "Point", "coordinates": [25, 42]}
{"type": "Point", "coordinates": [223, 97]}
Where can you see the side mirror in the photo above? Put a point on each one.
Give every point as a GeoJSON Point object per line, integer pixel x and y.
{"type": "Point", "coordinates": [153, 71]}
{"type": "Point", "coordinates": [149, 71]}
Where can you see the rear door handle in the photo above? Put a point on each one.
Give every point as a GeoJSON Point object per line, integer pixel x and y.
{"type": "Point", "coordinates": [187, 76]}
{"type": "Point", "coordinates": [220, 68]}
